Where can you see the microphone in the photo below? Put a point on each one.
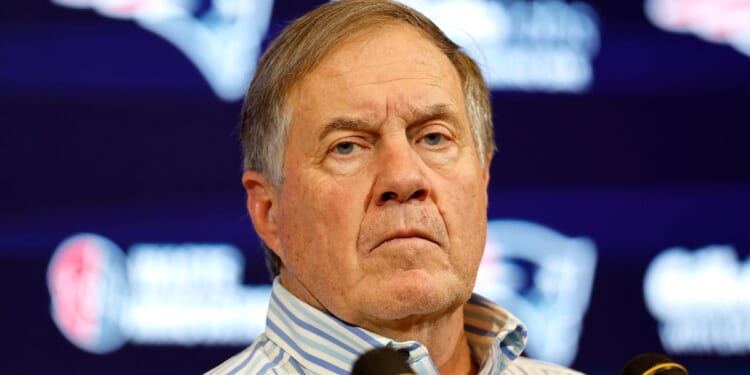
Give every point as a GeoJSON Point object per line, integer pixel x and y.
{"type": "Point", "coordinates": [653, 364]}
{"type": "Point", "coordinates": [381, 361]}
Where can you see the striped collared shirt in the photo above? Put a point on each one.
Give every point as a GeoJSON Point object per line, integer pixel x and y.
{"type": "Point", "coordinates": [300, 339]}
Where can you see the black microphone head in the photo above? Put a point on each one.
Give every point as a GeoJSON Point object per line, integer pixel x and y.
{"type": "Point", "coordinates": [381, 361]}
{"type": "Point", "coordinates": [653, 364]}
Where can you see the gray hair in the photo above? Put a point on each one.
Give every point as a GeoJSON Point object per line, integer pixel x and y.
{"type": "Point", "coordinates": [302, 45]}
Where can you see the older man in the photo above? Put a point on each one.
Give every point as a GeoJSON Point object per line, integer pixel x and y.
{"type": "Point", "coordinates": [368, 137]}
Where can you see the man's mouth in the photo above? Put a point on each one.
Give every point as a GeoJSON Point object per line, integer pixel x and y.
{"type": "Point", "coordinates": [411, 234]}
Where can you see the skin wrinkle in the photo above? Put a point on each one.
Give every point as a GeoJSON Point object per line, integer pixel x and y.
{"type": "Point", "coordinates": [436, 233]}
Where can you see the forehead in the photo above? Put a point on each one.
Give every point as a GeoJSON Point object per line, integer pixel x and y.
{"type": "Point", "coordinates": [389, 43]}
{"type": "Point", "coordinates": [396, 62]}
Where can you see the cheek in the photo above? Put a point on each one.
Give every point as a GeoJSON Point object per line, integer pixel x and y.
{"type": "Point", "coordinates": [465, 211]}
{"type": "Point", "coordinates": [321, 219]}
{"type": "Point", "coordinates": [465, 196]}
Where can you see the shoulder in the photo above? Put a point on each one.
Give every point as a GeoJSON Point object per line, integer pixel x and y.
{"type": "Point", "coordinates": [262, 357]}
{"type": "Point", "coordinates": [528, 366]}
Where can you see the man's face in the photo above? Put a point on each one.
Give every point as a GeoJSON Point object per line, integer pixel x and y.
{"type": "Point", "coordinates": [382, 213]}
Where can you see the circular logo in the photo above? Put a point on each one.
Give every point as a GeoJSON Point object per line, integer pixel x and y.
{"type": "Point", "coordinates": [88, 288]}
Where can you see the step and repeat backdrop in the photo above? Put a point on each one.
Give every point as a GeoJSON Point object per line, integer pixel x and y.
{"type": "Point", "coordinates": [619, 198]}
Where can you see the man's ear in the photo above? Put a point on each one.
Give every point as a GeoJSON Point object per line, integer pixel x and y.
{"type": "Point", "coordinates": [486, 180]}
{"type": "Point", "coordinates": [486, 172]}
{"type": "Point", "coordinates": [262, 201]}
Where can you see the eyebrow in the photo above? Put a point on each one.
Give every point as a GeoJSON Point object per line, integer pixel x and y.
{"type": "Point", "coordinates": [418, 116]}
{"type": "Point", "coordinates": [434, 112]}
{"type": "Point", "coordinates": [343, 123]}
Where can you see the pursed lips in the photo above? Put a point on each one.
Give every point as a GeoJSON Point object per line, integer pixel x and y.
{"type": "Point", "coordinates": [407, 234]}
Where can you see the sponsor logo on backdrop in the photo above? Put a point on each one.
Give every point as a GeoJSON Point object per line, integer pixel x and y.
{"type": "Point", "coordinates": [544, 278]}
{"type": "Point", "coordinates": [545, 45]}
{"type": "Point", "coordinates": [717, 21]}
{"type": "Point", "coordinates": [156, 294]}
{"type": "Point", "coordinates": [87, 284]}
{"type": "Point", "coordinates": [535, 45]}
{"type": "Point", "coordinates": [701, 300]}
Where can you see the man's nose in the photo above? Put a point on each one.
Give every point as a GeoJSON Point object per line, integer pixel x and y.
{"type": "Point", "coordinates": [400, 175]}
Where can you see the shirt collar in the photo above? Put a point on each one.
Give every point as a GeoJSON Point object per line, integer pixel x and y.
{"type": "Point", "coordinates": [495, 336]}
{"type": "Point", "coordinates": [324, 344]}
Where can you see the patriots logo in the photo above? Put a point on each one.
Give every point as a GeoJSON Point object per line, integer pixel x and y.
{"type": "Point", "coordinates": [544, 278]}
{"type": "Point", "coordinates": [223, 38]}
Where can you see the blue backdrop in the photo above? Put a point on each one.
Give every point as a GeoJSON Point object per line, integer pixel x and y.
{"type": "Point", "coordinates": [109, 128]}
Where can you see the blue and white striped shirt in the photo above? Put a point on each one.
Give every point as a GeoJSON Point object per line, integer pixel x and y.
{"type": "Point", "coordinates": [300, 339]}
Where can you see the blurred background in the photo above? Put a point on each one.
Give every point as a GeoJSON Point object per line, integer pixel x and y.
{"type": "Point", "coordinates": [619, 198]}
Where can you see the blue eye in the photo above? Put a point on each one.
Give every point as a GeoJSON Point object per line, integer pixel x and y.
{"type": "Point", "coordinates": [433, 139]}
{"type": "Point", "coordinates": [344, 148]}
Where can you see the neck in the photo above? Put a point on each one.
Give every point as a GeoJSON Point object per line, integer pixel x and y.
{"type": "Point", "coordinates": [459, 363]}
{"type": "Point", "coordinates": [444, 338]}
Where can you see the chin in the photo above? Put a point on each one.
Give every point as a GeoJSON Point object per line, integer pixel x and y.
{"type": "Point", "coordinates": [402, 298]}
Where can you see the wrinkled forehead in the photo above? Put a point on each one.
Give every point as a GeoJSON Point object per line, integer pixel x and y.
{"type": "Point", "coordinates": [398, 62]}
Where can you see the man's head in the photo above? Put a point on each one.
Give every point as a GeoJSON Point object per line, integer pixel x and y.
{"type": "Point", "coordinates": [367, 137]}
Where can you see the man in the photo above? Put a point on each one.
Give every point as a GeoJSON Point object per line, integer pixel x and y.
{"type": "Point", "coordinates": [368, 138]}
